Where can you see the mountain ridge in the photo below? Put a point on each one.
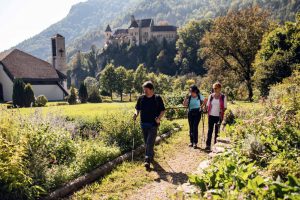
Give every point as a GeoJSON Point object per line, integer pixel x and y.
{"type": "Point", "coordinates": [86, 21]}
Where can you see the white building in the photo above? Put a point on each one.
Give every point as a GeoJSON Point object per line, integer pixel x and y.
{"type": "Point", "coordinates": [46, 79]}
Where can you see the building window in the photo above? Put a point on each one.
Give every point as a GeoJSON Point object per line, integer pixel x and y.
{"type": "Point", "coordinates": [53, 47]}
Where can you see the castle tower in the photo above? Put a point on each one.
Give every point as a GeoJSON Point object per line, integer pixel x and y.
{"type": "Point", "coordinates": [59, 60]}
{"type": "Point", "coordinates": [108, 33]}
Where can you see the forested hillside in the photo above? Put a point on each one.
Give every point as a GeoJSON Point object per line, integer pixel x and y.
{"type": "Point", "coordinates": [84, 24]}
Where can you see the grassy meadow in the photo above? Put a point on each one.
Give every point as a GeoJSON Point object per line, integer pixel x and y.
{"type": "Point", "coordinates": [44, 148]}
{"type": "Point", "coordinates": [88, 110]}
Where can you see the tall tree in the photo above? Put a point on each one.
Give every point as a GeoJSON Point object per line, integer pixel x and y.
{"type": "Point", "coordinates": [108, 79]}
{"type": "Point", "coordinates": [278, 56]}
{"type": "Point", "coordinates": [79, 70]}
{"type": "Point", "coordinates": [120, 80]}
{"type": "Point", "coordinates": [129, 82]}
{"type": "Point", "coordinates": [188, 44]}
{"type": "Point", "coordinates": [91, 84]}
{"type": "Point", "coordinates": [235, 38]}
{"type": "Point", "coordinates": [92, 63]}
{"type": "Point", "coordinates": [82, 93]}
{"type": "Point", "coordinates": [140, 76]}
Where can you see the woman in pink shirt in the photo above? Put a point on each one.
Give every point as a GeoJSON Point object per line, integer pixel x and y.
{"type": "Point", "coordinates": [216, 104]}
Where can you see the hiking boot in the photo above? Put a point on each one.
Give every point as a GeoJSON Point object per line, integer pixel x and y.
{"type": "Point", "coordinates": [147, 165]}
{"type": "Point", "coordinates": [195, 146]}
{"type": "Point", "coordinates": [207, 149]}
{"type": "Point", "coordinates": [191, 145]}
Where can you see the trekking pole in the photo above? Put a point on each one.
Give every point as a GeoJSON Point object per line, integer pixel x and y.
{"type": "Point", "coordinates": [132, 151]}
{"type": "Point", "coordinates": [203, 133]}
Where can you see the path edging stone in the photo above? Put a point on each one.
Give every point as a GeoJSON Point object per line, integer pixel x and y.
{"type": "Point", "coordinates": [99, 172]}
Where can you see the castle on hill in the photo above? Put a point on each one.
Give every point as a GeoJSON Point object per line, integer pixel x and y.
{"type": "Point", "coordinates": [140, 32]}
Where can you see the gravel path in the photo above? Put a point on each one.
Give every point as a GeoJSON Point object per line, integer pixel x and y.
{"type": "Point", "coordinates": [171, 173]}
{"type": "Point", "coordinates": [130, 181]}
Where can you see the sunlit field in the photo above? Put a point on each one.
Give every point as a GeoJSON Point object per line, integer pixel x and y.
{"type": "Point", "coordinates": [88, 110]}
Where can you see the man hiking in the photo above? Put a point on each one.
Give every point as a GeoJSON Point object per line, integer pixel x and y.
{"type": "Point", "coordinates": [152, 109]}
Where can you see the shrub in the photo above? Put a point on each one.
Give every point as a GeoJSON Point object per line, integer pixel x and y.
{"type": "Point", "coordinates": [18, 93]}
{"type": "Point", "coordinates": [122, 132]}
{"type": "Point", "coordinates": [16, 181]}
{"type": "Point", "coordinates": [95, 97]}
{"type": "Point", "coordinates": [82, 93]}
{"type": "Point", "coordinates": [174, 100]}
{"type": "Point", "coordinates": [166, 126]}
{"type": "Point", "coordinates": [229, 117]}
{"type": "Point", "coordinates": [88, 127]}
{"type": "Point", "coordinates": [93, 153]}
{"type": "Point", "coordinates": [41, 101]}
{"type": "Point", "coordinates": [72, 98]}
{"type": "Point", "coordinates": [104, 93]}
{"type": "Point", "coordinates": [264, 160]}
{"type": "Point", "coordinates": [29, 99]}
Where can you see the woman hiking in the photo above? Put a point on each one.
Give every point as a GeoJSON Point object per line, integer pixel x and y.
{"type": "Point", "coordinates": [216, 104]}
{"type": "Point", "coordinates": [193, 102]}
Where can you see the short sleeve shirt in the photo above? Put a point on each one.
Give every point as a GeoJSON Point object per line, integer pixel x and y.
{"type": "Point", "coordinates": [215, 106]}
{"type": "Point", "coordinates": [150, 108]}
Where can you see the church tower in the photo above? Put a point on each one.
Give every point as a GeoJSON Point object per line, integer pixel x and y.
{"type": "Point", "coordinates": [59, 60]}
{"type": "Point", "coordinates": [108, 33]}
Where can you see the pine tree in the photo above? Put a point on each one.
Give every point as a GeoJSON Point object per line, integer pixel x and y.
{"type": "Point", "coordinates": [83, 94]}
{"type": "Point", "coordinates": [28, 96]}
{"type": "Point", "coordinates": [18, 93]}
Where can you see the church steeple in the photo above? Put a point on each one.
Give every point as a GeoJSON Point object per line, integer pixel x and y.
{"type": "Point", "coordinates": [108, 29]}
{"type": "Point", "coordinates": [59, 60]}
{"type": "Point", "coordinates": [108, 33]}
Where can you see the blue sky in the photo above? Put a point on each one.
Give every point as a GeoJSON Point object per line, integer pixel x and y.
{"type": "Point", "coordinates": [21, 19]}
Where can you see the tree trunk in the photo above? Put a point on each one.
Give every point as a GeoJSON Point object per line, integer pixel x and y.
{"type": "Point", "coordinates": [250, 90]}
{"type": "Point", "coordinates": [111, 95]}
{"type": "Point", "coordinates": [129, 96]}
{"type": "Point", "coordinates": [121, 96]}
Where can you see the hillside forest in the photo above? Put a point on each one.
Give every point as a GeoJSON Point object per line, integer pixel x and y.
{"type": "Point", "coordinates": [245, 50]}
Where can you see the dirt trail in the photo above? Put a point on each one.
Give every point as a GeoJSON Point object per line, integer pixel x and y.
{"type": "Point", "coordinates": [175, 160]}
{"type": "Point", "coordinates": [171, 173]}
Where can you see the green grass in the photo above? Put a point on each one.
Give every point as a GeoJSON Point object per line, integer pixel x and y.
{"type": "Point", "coordinates": [245, 105]}
{"type": "Point", "coordinates": [88, 110]}
{"type": "Point", "coordinates": [128, 176]}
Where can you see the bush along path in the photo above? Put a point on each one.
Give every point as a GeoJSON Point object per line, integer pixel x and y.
{"type": "Point", "coordinates": [264, 159]}
{"type": "Point", "coordinates": [174, 162]}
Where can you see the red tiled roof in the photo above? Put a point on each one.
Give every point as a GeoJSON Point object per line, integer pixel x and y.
{"type": "Point", "coordinates": [19, 64]}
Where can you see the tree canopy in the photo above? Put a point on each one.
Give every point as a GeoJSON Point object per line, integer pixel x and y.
{"type": "Point", "coordinates": [235, 40]}
{"type": "Point", "coordinates": [279, 55]}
